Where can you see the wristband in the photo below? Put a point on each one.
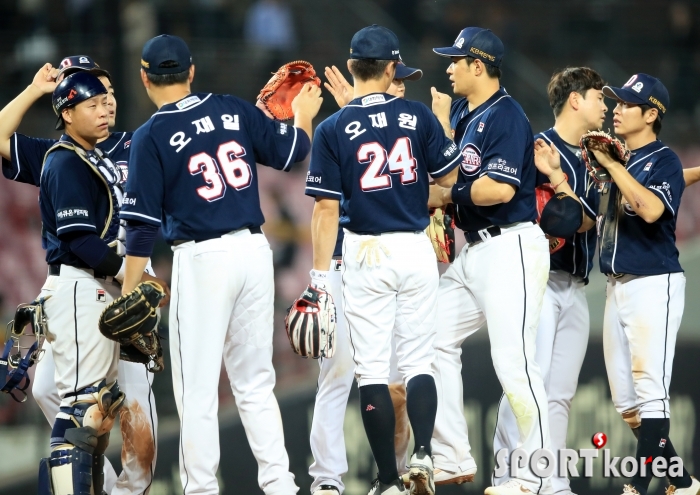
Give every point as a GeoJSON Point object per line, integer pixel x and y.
{"type": "Point", "coordinates": [319, 278]}
{"type": "Point", "coordinates": [462, 194]}
{"type": "Point", "coordinates": [566, 178]}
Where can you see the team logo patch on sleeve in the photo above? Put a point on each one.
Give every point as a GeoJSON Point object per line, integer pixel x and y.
{"type": "Point", "coordinates": [480, 128]}
{"type": "Point", "coordinates": [282, 128]}
{"type": "Point", "coordinates": [74, 212]}
{"type": "Point", "coordinates": [647, 167]}
{"type": "Point", "coordinates": [471, 160]}
{"type": "Point", "coordinates": [101, 295]}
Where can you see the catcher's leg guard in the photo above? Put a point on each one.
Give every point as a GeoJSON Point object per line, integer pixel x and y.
{"type": "Point", "coordinates": [76, 465]}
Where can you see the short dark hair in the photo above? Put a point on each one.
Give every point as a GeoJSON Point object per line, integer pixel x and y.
{"type": "Point", "coordinates": [571, 80]}
{"type": "Point", "coordinates": [656, 127]}
{"type": "Point", "coordinates": [366, 69]}
{"type": "Point", "coordinates": [168, 79]}
{"type": "Point", "coordinates": [491, 70]}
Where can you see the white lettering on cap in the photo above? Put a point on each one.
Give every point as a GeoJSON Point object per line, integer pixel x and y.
{"type": "Point", "coordinates": [459, 43]}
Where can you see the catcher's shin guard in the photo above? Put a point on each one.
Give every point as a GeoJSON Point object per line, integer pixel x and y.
{"type": "Point", "coordinates": [69, 469]}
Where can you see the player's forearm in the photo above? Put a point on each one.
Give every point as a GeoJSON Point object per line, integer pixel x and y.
{"type": "Point", "coordinates": [644, 202]}
{"type": "Point", "coordinates": [11, 116]}
{"type": "Point", "coordinates": [558, 178]}
{"type": "Point", "coordinates": [448, 180]}
{"type": "Point", "coordinates": [303, 122]}
{"type": "Point", "coordinates": [587, 224]}
{"type": "Point", "coordinates": [324, 231]}
{"type": "Point", "coordinates": [488, 192]}
{"type": "Point", "coordinates": [135, 266]}
{"type": "Point", "coordinates": [691, 175]}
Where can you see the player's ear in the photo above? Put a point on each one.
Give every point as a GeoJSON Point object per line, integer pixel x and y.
{"type": "Point", "coordinates": [350, 66]}
{"type": "Point", "coordinates": [144, 79]}
{"type": "Point", "coordinates": [574, 100]}
{"type": "Point", "coordinates": [651, 115]}
{"type": "Point", "coordinates": [67, 117]}
{"type": "Point", "coordinates": [190, 78]}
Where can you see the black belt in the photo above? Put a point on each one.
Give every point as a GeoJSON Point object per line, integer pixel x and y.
{"type": "Point", "coordinates": [474, 236]}
{"type": "Point", "coordinates": [391, 232]}
{"type": "Point", "coordinates": [55, 270]}
{"type": "Point", "coordinates": [252, 230]}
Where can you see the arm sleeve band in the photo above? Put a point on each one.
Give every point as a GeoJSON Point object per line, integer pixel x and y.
{"type": "Point", "coordinates": [462, 194]}
{"type": "Point", "coordinates": [95, 252]}
{"type": "Point", "coordinates": [140, 238]}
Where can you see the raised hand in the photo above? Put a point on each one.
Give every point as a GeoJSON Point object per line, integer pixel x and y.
{"type": "Point", "coordinates": [338, 86]}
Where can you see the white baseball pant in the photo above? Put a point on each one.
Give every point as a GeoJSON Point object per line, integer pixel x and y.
{"type": "Point", "coordinates": [334, 383]}
{"type": "Point", "coordinates": [642, 318]}
{"type": "Point", "coordinates": [499, 281]}
{"type": "Point", "coordinates": [390, 289]}
{"type": "Point", "coordinates": [562, 338]}
{"type": "Point", "coordinates": [221, 309]}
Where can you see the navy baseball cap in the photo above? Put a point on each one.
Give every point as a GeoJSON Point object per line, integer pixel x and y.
{"type": "Point", "coordinates": [407, 73]}
{"type": "Point", "coordinates": [165, 54]}
{"type": "Point", "coordinates": [478, 43]}
{"type": "Point", "coordinates": [562, 216]}
{"type": "Point", "coordinates": [75, 63]}
{"type": "Point", "coordinates": [74, 89]}
{"type": "Point", "coordinates": [641, 89]}
{"type": "Point", "coordinates": [375, 42]}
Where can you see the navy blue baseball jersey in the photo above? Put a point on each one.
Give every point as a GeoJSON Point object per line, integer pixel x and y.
{"type": "Point", "coordinates": [374, 155]}
{"type": "Point", "coordinates": [27, 155]}
{"type": "Point", "coordinates": [630, 245]}
{"type": "Point", "coordinates": [496, 140]}
{"type": "Point", "coordinates": [192, 166]}
{"type": "Point", "coordinates": [576, 256]}
{"type": "Point", "coordinates": [77, 195]}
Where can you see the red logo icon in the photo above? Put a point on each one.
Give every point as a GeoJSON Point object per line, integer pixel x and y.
{"type": "Point", "coordinates": [370, 407]}
{"type": "Point", "coordinates": [72, 93]}
{"type": "Point", "coordinates": [599, 440]}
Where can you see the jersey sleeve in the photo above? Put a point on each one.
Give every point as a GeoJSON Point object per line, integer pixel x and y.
{"type": "Point", "coordinates": [26, 158]}
{"type": "Point", "coordinates": [502, 154]}
{"type": "Point", "coordinates": [323, 178]}
{"type": "Point", "coordinates": [73, 194]}
{"type": "Point", "coordinates": [445, 151]}
{"type": "Point", "coordinates": [275, 144]}
{"type": "Point", "coordinates": [666, 181]}
{"type": "Point", "coordinates": [143, 199]}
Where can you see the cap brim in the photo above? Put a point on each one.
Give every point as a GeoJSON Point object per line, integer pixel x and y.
{"type": "Point", "coordinates": [623, 94]}
{"type": "Point", "coordinates": [449, 51]}
{"type": "Point", "coordinates": [407, 73]}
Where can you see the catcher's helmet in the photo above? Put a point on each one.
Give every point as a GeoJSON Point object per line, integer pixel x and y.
{"type": "Point", "coordinates": [74, 89]}
{"type": "Point", "coordinates": [76, 63]}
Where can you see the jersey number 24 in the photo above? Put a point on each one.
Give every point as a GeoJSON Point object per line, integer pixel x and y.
{"type": "Point", "coordinates": [233, 170]}
{"type": "Point", "coordinates": [400, 161]}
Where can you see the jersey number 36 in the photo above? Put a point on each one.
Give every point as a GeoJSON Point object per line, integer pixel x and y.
{"type": "Point", "coordinates": [233, 170]}
{"type": "Point", "coordinates": [400, 161]}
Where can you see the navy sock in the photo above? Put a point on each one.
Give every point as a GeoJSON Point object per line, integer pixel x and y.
{"type": "Point", "coordinates": [682, 481]}
{"type": "Point", "coordinates": [59, 430]}
{"type": "Point", "coordinates": [421, 406]}
{"type": "Point", "coordinates": [379, 421]}
{"type": "Point", "coordinates": [649, 445]}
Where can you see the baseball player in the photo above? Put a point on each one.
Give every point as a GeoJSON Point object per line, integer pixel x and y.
{"type": "Point", "coordinates": [79, 196]}
{"type": "Point", "coordinates": [336, 376]}
{"type": "Point", "coordinates": [372, 159]}
{"type": "Point", "coordinates": [646, 285]}
{"type": "Point", "coordinates": [192, 173]}
{"type": "Point", "coordinates": [576, 97]}
{"type": "Point", "coordinates": [505, 260]}
{"type": "Point", "coordinates": [22, 158]}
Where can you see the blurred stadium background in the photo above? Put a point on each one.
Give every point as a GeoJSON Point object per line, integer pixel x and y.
{"type": "Point", "coordinates": [235, 45]}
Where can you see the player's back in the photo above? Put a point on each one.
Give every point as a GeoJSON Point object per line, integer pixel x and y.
{"type": "Point", "coordinates": [201, 153]}
{"type": "Point", "coordinates": [384, 148]}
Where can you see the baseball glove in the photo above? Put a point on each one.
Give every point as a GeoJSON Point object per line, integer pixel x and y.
{"type": "Point", "coordinates": [601, 141]}
{"type": "Point", "coordinates": [132, 320]}
{"type": "Point", "coordinates": [284, 86]}
{"type": "Point", "coordinates": [543, 194]}
{"type": "Point", "coordinates": [310, 324]}
{"type": "Point", "coordinates": [441, 231]}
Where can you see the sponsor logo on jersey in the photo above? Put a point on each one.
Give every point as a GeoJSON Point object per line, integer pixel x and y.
{"type": "Point", "coordinates": [662, 443]}
{"type": "Point", "coordinates": [313, 178]}
{"type": "Point", "coordinates": [450, 151]}
{"type": "Point", "coordinates": [664, 188]}
{"type": "Point", "coordinates": [187, 102]}
{"type": "Point", "coordinates": [337, 265]}
{"type": "Point", "coordinates": [647, 167]}
{"type": "Point", "coordinates": [72, 213]}
{"type": "Point", "coordinates": [101, 295]}
{"type": "Point", "coordinates": [480, 128]}
{"type": "Point", "coordinates": [368, 100]}
{"type": "Point", "coordinates": [128, 201]}
{"type": "Point", "coordinates": [501, 165]}
{"type": "Point", "coordinates": [127, 144]}
{"type": "Point", "coordinates": [471, 160]}
{"type": "Point", "coordinates": [638, 87]}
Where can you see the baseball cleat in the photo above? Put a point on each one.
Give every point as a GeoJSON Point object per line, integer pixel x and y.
{"type": "Point", "coordinates": [693, 489]}
{"type": "Point", "coordinates": [327, 490]}
{"type": "Point", "coordinates": [629, 490]}
{"type": "Point", "coordinates": [511, 487]}
{"type": "Point", "coordinates": [442, 477]}
{"type": "Point", "coordinates": [394, 488]}
{"type": "Point", "coordinates": [420, 474]}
